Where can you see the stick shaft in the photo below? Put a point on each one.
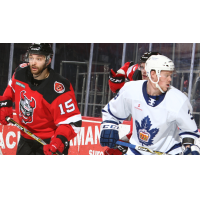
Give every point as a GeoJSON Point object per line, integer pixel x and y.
{"type": "Point", "coordinates": [139, 148]}
{"type": "Point", "coordinates": [29, 133]}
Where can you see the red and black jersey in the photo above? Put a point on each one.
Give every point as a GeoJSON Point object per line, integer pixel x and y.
{"type": "Point", "coordinates": [131, 71]}
{"type": "Point", "coordinates": [45, 109]}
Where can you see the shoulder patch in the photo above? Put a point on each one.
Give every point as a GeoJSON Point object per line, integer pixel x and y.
{"type": "Point", "coordinates": [53, 87]}
{"type": "Point", "coordinates": [24, 65]}
{"type": "Point", "coordinates": [21, 74]}
{"type": "Point", "coordinates": [59, 87]}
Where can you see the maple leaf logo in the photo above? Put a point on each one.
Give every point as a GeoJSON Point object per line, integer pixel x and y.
{"type": "Point", "coordinates": [145, 135]}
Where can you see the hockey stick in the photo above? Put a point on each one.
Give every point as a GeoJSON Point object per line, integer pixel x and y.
{"type": "Point", "coordinates": [132, 146]}
{"type": "Point", "coordinates": [8, 119]}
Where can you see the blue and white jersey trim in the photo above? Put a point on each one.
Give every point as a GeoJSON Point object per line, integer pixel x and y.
{"type": "Point", "coordinates": [189, 133]}
{"type": "Point", "coordinates": [114, 115]}
{"type": "Point", "coordinates": [174, 147]}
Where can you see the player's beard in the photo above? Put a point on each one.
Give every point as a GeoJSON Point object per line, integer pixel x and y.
{"type": "Point", "coordinates": [36, 71]}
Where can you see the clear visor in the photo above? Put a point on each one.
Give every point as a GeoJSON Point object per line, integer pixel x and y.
{"type": "Point", "coordinates": [166, 75]}
{"type": "Point", "coordinates": [141, 67]}
{"type": "Point", "coordinates": [29, 59]}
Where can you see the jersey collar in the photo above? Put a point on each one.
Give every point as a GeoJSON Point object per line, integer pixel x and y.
{"type": "Point", "coordinates": [152, 101]}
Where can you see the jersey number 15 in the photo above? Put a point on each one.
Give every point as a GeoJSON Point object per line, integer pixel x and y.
{"type": "Point", "coordinates": [68, 105]}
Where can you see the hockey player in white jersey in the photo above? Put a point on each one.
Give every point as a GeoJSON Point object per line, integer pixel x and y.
{"type": "Point", "coordinates": [161, 113]}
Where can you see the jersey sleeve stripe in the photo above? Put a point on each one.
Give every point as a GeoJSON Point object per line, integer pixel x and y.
{"type": "Point", "coordinates": [10, 84]}
{"type": "Point", "coordinates": [114, 115]}
{"type": "Point", "coordinates": [104, 111]}
{"type": "Point", "coordinates": [188, 133]}
{"type": "Point", "coordinates": [76, 129]}
{"type": "Point", "coordinates": [13, 89]}
{"type": "Point", "coordinates": [72, 119]}
{"type": "Point", "coordinates": [130, 70]}
{"type": "Point", "coordinates": [174, 147]}
{"type": "Point", "coordinates": [176, 151]}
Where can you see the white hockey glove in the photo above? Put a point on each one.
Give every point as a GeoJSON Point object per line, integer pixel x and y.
{"type": "Point", "coordinates": [192, 149]}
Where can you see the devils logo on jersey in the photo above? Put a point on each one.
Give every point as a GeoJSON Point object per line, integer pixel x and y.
{"type": "Point", "coordinates": [59, 87]}
{"type": "Point", "coordinates": [144, 133]}
{"type": "Point", "coordinates": [26, 108]}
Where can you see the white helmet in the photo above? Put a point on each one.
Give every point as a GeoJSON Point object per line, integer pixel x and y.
{"type": "Point", "coordinates": [158, 63]}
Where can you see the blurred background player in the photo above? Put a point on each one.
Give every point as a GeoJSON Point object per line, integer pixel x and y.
{"type": "Point", "coordinates": [130, 72]}
{"type": "Point", "coordinates": [157, 110]}
{"type": "Point", "coordinates": [45, 104]}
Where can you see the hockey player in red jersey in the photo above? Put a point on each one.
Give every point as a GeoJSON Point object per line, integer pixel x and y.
{"type": "Point", "coordinates": [130, 72]}
{"type": "Point", "coordinates": [45, 104]}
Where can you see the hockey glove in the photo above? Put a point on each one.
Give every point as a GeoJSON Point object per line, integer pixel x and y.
{"type": "Point", "coordinates": [58, 143]}
{"type": "Point", "coordinates": [116, 81]}
{"type": "Point", "coordinates": [124, 69]}
{"type": "Point", "coordinates": [192, 150]}
{"type": "Point", "coordinates": [109, 133]}
{"type": "Point", "coordinates": [5, 109]}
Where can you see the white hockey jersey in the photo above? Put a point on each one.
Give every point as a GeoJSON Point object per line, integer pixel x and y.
{"type": "Point", "coordinates": [158, 121]}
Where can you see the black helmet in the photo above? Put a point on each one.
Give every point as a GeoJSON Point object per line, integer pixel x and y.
{"type": "Point", "coordinates": [40, 49]}
{"type": "Point", "coordinates": [146, 55]}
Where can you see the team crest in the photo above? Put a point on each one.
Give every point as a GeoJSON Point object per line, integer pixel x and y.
{"type": "Point", "coordinates": [26, 108]}
{"type": "Point", "coordinates": [59, 87]}
{"type": "Point", "coordinates": [144, 133]}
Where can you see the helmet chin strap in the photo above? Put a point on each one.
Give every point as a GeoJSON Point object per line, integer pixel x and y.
{"type": "Point", "coordinates": [157, 85]}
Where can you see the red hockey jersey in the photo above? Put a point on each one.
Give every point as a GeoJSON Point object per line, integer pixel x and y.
{"type": "Point", "coordinates": [128, 70]}
{"type": "Point", "coordinates": [47, 109]}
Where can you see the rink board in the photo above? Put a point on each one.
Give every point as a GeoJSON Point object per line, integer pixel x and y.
{"type": "Point", "coordinates": [86, 142]}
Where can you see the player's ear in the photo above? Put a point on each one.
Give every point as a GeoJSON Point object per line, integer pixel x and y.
{"type": "Point", "coordinates": [153, 75]}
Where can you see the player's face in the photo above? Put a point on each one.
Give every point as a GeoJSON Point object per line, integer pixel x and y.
{"type": "Point", "coordinates": [165, 80]}
{"type": "Point", "coordinates": [143, 71]}
{"type": "Point", "coordinates": [37, 63]}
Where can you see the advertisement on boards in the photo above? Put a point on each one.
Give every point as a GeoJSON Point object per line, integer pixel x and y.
{"type": "Point", "coordinates": [86, 142]}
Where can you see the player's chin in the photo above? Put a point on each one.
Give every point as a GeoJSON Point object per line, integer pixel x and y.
{"type": "Point", "coordinates": [165, 88]}
{"type": "Point", "coordinates": [144, 77]}
{"type": "Point", "coordinates": [35, 72]}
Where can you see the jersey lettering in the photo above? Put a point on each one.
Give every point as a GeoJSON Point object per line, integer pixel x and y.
{"type": "Point", "coordinates": [68, 105]}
